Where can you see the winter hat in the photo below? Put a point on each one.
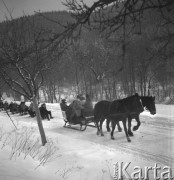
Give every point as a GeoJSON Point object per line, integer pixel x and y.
{"type": "Point", "coordinates": [63, 100]}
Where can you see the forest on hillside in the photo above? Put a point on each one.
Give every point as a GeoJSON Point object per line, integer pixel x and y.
{"type": "Point", "coordinates": [50, 54]}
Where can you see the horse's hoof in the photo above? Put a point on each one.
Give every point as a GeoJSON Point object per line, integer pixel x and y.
{"type": "Point", "coordinates": [119, 130]}
{"type": "Point", "coordinates": [130, 133]}
{"type": "Point", "coordinates": [102, 134]}
{"type": "Point", "coordinates": [98, 133]}
{"type": "Point", "coordinates": [112, 137]}
{"type": "Point", "coordinates": [135, 128]}
{"type": "Point", "coordinates": [128, 140]}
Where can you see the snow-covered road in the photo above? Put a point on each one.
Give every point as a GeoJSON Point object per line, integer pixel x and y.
{"type": "Point", "coordinates": [153, 141]}
{"type": "Point", "coordinates": [92, 156]}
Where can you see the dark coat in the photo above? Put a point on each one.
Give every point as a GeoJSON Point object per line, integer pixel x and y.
{"type": "Point", "coordinates": [77, 107]}
{"type": "Point", "coordinates": [88, 106]}
{"type": "Point", "coordinates": [64, 106]}
{"type": "Point", "coordinates": [43, 111]}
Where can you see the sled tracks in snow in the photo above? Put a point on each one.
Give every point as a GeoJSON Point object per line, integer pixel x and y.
{"type": "Point", "coordinates": [152, 157]}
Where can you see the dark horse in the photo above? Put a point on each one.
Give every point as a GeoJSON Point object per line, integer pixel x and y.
{"type": "Point", "coordinates": [116, 111]}
{"type": "Point", "coordinates": [148, 103]}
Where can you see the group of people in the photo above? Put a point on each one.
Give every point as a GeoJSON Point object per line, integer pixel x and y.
{"type": "Point", "coordinates": [79, 108]}
{"type": "Point", "coordinates": [45, 114]}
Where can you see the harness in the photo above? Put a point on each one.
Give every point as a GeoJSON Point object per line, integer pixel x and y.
{"type": "Point", "coordinates": [137, 108]}
{"type": "Point", "coordinates": [126, 109]}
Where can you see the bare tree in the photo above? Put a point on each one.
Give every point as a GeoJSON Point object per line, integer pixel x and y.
{"type": "Point", "coordinates": [123, 16]}
{"type": "Point", "coordinates": [25, 55]}
{"type": "Point", "coordinates": [113, 14]}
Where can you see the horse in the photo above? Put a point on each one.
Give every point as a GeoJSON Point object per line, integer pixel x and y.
{"type": "Point", "coordinates": [148, 103]}
{"type": "Point", "coordinates": [117, 110]}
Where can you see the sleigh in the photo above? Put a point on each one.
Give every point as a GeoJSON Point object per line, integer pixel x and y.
{"type": "Point", "coordinates": [83, 122]}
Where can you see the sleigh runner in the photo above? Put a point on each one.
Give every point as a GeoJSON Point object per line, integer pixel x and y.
{"type": "Point", "coordinates": [85, 121]}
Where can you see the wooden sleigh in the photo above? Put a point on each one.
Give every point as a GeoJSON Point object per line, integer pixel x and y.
{"type": "Point", "coordinates": [83, 122]}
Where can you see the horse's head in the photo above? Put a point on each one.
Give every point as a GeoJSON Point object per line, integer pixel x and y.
{"type": "Point", "coordinates": [149, 104]}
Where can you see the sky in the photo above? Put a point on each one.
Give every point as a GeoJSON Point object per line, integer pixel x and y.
{"type": "Point", "coordinates": [20, 7]}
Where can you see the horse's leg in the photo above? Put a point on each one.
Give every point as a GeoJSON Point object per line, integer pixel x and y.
{"type": "Point", "coordinates": [98, 130]}
{"type": "Point", "coordinates": [107, 124]}
{"type": "Point", "coordinates": [125, 129]}
{"type": "Point", "coordinates": [129, 126]}
{"type": "Point", "coordinates": [97, 120]}
{"type": "Point", "coordinates": [138, 123]}
{"type": "Point", "coordinates": [118, 126]}
{"type": "Point", "coordinates": [113, 123]}
{"type": "Point", "coordinates": [101, 123]}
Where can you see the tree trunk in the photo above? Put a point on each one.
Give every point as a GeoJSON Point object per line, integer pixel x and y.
{"type": "Point", "coordinates": [59, 93]}
{"type": "Point", "coordinates": [90, 88]}
{"type": "Point", "coordinates": [149, 87]}
{"type": "Point", "coordinates": [141, 85]}
{"type": "Point", "coordinates": [39, 121]}
{"type": "Point", "coordinates": [114, 93]}
{"type": "Point", "coordinates": [38, 97]}
{"type": "Point", "coordinates": [45, 94]}
{"type": "Point", "coordinates": [55, 98]}
{"type": "Point", "coordinates": [77, 81]}
{"type": "Point", "coordinates": [144, 83]}
{"type": "Point", "coordinates": [85, 81]}
{"type": "Point", "coordinates": [101, 89]}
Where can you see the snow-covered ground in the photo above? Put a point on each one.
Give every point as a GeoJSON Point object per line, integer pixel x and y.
{"type": "Point", "coordinates": [75, 155]}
